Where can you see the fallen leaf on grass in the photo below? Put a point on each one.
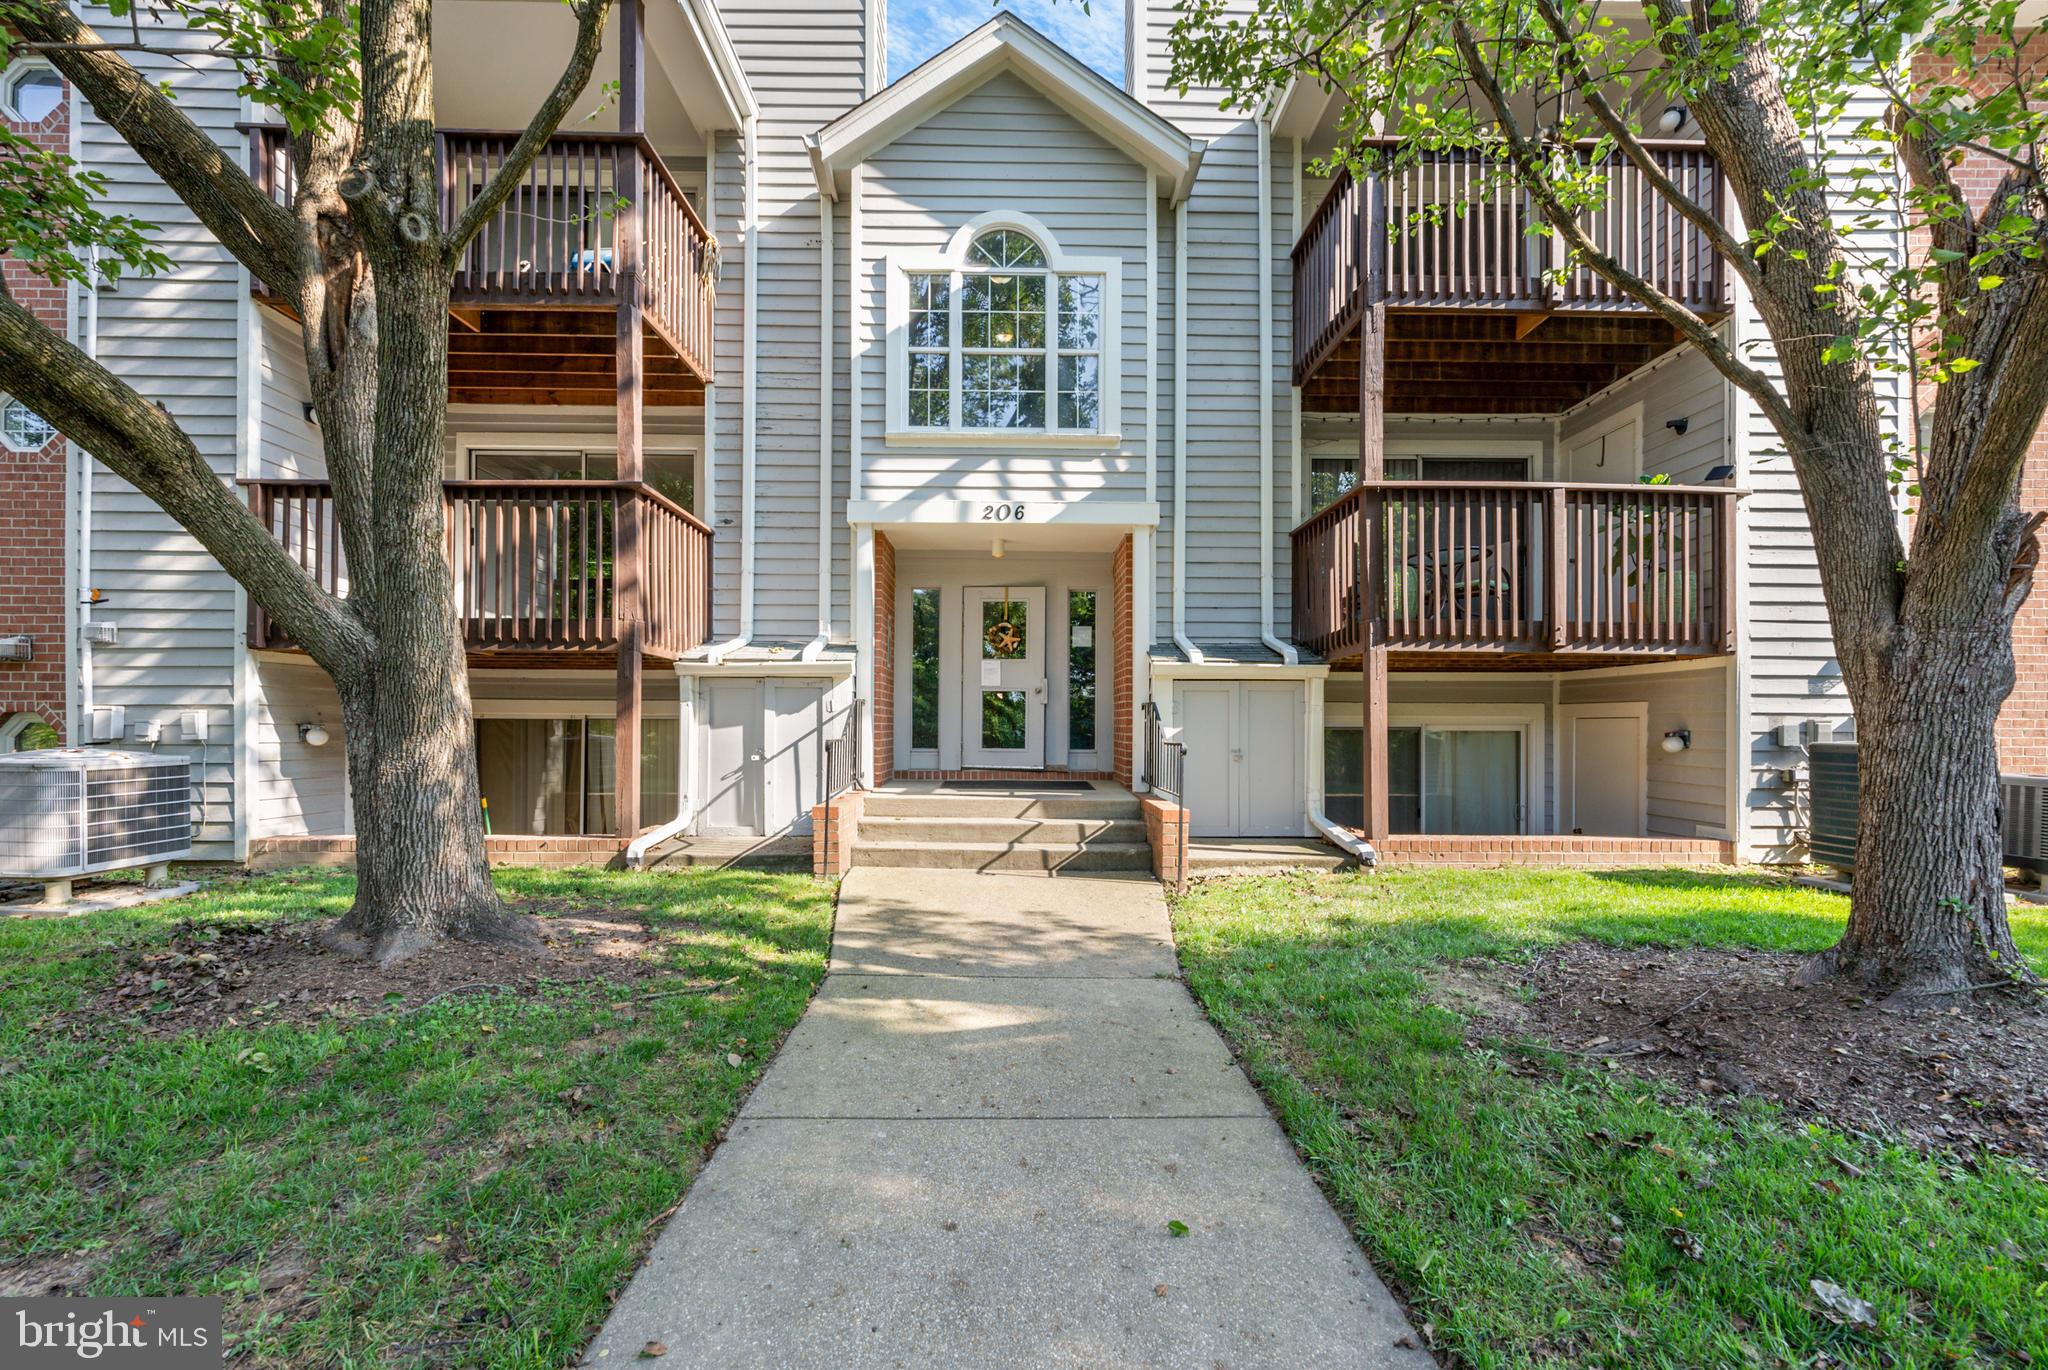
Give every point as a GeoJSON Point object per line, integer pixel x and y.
{"type": "Point", "coordinates": [1687, 1243]}
{"type": "Point", "coordinates": [1841, 1306]}
{"type": "Point", "coordinates": [734, 1059]}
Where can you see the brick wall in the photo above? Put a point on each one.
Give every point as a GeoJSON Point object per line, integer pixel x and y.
{"type": "Point", "coordinates": [884, 702]}
{"type": "Point", "coordinates": [1609, 852]}
{"type": "Point", "coordinates": [32, 513]}
{"type": "Point", "coordinates": [1122, 699]}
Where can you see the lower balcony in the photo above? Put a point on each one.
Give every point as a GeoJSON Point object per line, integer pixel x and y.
{"type": "Point", "coordinates": [1510, 574]}
{"type": "Point", "coordinates": [540, 565]}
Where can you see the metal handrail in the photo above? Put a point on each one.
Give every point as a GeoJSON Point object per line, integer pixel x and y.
{"type": "Point", "coordinates": [1166, 765]}
{"type": "Point", "coordinates": [839, 768]}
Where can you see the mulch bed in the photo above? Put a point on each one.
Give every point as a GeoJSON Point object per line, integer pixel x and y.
{"type": "Point", "coordinates": [213, 975]}
{"type": "Point", "coordinates": [1731, 1024]}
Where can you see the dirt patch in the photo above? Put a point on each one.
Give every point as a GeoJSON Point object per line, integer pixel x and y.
{"type": "Point", "coordinates": [1730, 1024]}
{"type": "Point", "coordinates": [238, 974]}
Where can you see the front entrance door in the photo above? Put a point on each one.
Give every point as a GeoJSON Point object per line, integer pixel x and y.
{"type": "Point", "coordinates": [1003, 706]}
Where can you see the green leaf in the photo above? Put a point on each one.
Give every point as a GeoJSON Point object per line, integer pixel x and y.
{"type": "Point", "coordinates": [1962, 364]}
{"type": "Point", "coordinates": [1990, 282]}
{"type": "Point", "coordinates": [1175, 1227]}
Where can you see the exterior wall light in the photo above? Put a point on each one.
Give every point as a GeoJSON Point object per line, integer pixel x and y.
{"type": "Point", "coordinates": [1677, 740]}
{"type": "Point", "coordinates": [313, 734]}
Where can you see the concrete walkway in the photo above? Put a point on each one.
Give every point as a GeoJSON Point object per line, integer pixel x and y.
{"type": "Point", "coordinates": [969, 1151]}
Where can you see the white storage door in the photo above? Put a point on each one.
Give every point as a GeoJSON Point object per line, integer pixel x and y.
{"type": "Point", "coordinates": [1269, 772]}
{"type": "Point", "coordinates": [1205, 713]}
{"type": "Point", "coordinates": [1244, 746]}
{"type": "Point", "coordinates": [795, 721]}
{"type": "Point", "coordinates": [731, 783]}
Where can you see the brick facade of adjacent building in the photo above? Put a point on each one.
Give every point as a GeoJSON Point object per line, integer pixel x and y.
{"type": "Point", "coordinates": [32, 514]}
{"type": "Point", "coordinates": [1124, 697]}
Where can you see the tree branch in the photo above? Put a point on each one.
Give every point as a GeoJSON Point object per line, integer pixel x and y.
{"type": "Point", "coordinates": [252, 226]}
{"type": "Point", "coordinates": [590, 17]}
{"type": "Point", "coordinates": [1529, 162]}
{"type": "Point", "coordinates": [142, 444]}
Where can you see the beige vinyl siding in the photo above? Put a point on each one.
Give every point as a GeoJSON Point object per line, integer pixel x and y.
{"type": "Point", "coordinates": [288, 445]}
{"type": "Point", "coordinates": [176, 338]}
{"type": "Point", "coordinates": [1792, 673]}
{"type": "Point", "coordinates": [1223, 550]}
{"type": "Point", "coordinates": [296, 790]}
{"type": "Point", "coordinates": [1688, 791]}
{"type": "Point", "coordinates": [1686, 386]}
{"type": "Point", "coordinates": [805, 64]}
{"type": "Point", "coordinates": [1004, 146]}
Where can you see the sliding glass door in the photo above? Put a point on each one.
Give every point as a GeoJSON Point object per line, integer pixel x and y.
{"type": "Point", "coordinates": [1439, 780]}
{"type": "Point", "coordinates": [549, 777]}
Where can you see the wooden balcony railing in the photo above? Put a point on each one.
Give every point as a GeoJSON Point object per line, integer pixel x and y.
{"type": "Point", "coordinates": [535, 561]}
{"type": "Point", "coordinates": [560, 238]}
{"type": "Point", "coordinates": [1459, 567]}
{"type": "Point", "coordinates": [1485, 256]}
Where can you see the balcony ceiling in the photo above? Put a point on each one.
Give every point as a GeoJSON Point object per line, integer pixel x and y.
{"type": "Point", "coordinates": [1472, 363]}
{"type": "Point", "coordinates": [497, 58]}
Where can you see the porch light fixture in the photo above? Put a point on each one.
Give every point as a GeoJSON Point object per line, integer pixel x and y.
{"type": "Point", "coordinates": [1677, 740]}
{"type": "Point", "coordinates": [996, 549]}
{"type": "Point", "coordinates": [313, 734]}
{"type": "Point", "coordinates": [1679, 424]}
{"type": "Point", "coordinates": [312, 414]}
{"type": "Point", "coordinates": [1673, 118]}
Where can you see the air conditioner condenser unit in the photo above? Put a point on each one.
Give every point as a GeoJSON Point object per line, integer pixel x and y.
{"type": "Point", "coordinates": [77, 811]}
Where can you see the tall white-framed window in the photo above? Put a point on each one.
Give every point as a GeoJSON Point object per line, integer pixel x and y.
{"type": "Point", "coordinates": [1003, 336]}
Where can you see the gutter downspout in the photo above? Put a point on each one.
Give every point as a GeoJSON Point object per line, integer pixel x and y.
{"type": "Point", "coordinates": [750, 280]}
{"type": "Point", "coordinates": [1337, 835]}
{"type": "Point", "coordinates": [89, 325]}
{"type": "Point", "coordinates": [1180, 436]}
{"type": "Point", "coordinates": [686, 804]}
{"type": "Point", "coordinates": [1286, 652]}
{"type": "Point", "coordinates": [815, 648]}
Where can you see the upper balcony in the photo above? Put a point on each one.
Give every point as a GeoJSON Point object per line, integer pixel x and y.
{"type": "Point", "coordinates": [1517, 573]}
{"type": "Point", "coordinates": [547, 268]}
{"type": "Point", "coordinates": [547, 572]}
{"type": "Point", "coordinates": [1486, 312]}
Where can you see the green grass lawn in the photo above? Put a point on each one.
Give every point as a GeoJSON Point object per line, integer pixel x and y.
{"type": "Point", "coordinates": [466, 1185]}
{"type": "Point", "coordinates": [1461, 1175]}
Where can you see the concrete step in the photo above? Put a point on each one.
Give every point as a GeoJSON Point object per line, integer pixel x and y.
{"type": "Point", "coordinates": [1254, 855]}
{"type": "Point", "coordinates": [1012, 831]}
{"type": "Point", "coordinates": [1005, 856]}
{"type": "Point", "coordinates": [885, 805]}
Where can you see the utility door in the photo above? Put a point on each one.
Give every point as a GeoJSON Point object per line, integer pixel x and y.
{"type": "Point", "coordinates": [1244, 747]}
{"type": "Point", "coordinates": [796, 718]}
{"type": "Point", "coordinates": [1605, 782]}
{"type": "Point", "coordinates": [1002, 715]}
{"type": "Point", "coordinates": [732, 769]}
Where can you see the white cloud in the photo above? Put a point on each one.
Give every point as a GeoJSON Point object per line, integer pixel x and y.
{"type": "Point", "coordinates": [918, 29]}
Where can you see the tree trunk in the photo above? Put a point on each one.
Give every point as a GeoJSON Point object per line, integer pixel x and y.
{"type": "Point", "coordinates": [1928, 911]}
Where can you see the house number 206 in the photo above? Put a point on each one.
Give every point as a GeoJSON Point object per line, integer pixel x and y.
{"type": "Point", "coordinates": [1002, 513]}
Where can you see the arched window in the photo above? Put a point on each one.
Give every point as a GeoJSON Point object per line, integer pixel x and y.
{"type": "Point", "coordinates": [28, 733]}
{"type": "Point", "coordinates": [1002, 335]}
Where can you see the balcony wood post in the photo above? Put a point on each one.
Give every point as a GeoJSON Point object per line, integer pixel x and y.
{"type": "Point", "coordinates": [1556, 566]}
{"type": "Point", "coordinates": [628, 548]}
{"type": "Point", "coordinates": [1371, 596]}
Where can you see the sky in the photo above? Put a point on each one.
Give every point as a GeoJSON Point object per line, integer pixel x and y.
{"type": "Point", "coordinates": [919, 28]}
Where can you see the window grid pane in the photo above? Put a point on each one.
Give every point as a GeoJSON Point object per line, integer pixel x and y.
{"type": "Point", "coordinates": [1081, 670]}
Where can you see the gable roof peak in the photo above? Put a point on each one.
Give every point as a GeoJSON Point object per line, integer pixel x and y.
{"type": "Point", "coordinates": [1006, 43]}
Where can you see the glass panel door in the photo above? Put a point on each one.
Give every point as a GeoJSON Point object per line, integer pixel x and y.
{"type": "Point", "coordinates": [1473, 780]}
{"type": "Point", "coordinates": [1005, 695]}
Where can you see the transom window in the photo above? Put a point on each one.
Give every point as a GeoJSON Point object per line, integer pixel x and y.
{"type": "Point", "coordinates": [1008, 339]}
